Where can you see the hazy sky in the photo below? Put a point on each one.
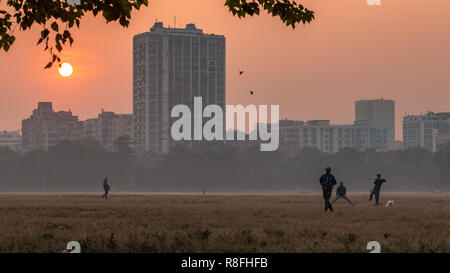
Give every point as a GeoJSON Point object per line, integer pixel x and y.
{"type": "Point", "coordinates": [399, 50]}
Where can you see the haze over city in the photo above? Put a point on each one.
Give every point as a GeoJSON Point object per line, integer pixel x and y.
{"type": "Point", "coordinates": [350, 51]}
{"type": "Point", "coordinates": [211, 142]}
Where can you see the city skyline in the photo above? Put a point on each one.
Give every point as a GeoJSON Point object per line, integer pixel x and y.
{"type": "Point", "coordinates": [330, 121]}
{"type": "Point", "coordinates": [367, 60]}
{"type": "Point", "coordinates": [371, 129]}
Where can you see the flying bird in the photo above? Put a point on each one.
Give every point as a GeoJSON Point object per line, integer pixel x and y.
{"type": "Point", "coordinates": [241, 72]}
{"type": "Point", "coordinates": [251, 93]}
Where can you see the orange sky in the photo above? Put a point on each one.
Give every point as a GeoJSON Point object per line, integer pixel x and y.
{"type": "Point", "coordinates": [399, 50]}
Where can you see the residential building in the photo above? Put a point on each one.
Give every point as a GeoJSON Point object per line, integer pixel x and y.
{"type": "Point", "coordinates": [171, 66]}
{"type": "Point", "coordinates": [45, 128]}
{"type": "Point", "coordinates": [380, 113]}
{"type": "Point", "coordinates": [11, 139]}
{"type": "Point", "coordinates": [442, 137]}
{"type": "Point", "coordinates": [427, 131]}
{"type": "Point", "coordinates": [108, 127]}
{"type": "Point", "coordinates": [320, 134]}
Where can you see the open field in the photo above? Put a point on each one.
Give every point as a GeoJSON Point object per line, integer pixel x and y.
{"type": "Point", "coordinates": [221, 223]}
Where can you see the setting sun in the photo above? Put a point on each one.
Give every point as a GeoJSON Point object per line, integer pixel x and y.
{"type": "Point", "coordinates": [65, 70]}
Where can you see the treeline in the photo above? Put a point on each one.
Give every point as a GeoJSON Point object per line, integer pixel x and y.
{"type": "Point", "coordinates": [82, 166]}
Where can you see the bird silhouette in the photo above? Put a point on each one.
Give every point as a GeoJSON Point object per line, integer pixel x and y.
{"type": "Point", "coordinates": [241, 72]}
{"type": "Point", "coordinates": [251, 93]}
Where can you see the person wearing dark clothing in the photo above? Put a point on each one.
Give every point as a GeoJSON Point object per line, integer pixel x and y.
{"type": "Point", "coordinates": [327, 181]}
{"type": "Point", "coordinates": [106, 188]}
{"type": "Point", "coordinates": [376, 189]}
{"type": "Point", "coordinates": [341, 192]}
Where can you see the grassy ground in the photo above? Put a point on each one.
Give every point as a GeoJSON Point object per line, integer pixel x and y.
{"type": "Point", "coordinates": [221, 223]}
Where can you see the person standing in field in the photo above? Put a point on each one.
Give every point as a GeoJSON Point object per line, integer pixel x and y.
{"type": "Point", "coordinates": [341, 192]}
{"type": "Point", "coordinates": [376, 189]}
{"type": "Point", "coordinates": [327, 181]}
{"type": "Point", "coordinates": [106, 188]}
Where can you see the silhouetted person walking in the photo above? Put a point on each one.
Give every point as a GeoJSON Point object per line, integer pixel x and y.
{"type": "Point", "coordinates": [106, 188]}
{"type": "Point", "coordinates": [341, 192]}
{"type": "Point", "coordinates": [327, 181]}
{"type": "Point", "coordinates": [376, 189]}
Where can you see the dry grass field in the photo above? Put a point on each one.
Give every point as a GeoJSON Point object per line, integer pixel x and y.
{"type": "Point", "coordinates": [221, 223]}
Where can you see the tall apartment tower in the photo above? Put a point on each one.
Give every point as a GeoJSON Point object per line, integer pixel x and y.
{"type": "Point", "coordinates": [379, 112]}
{"type": "Point", "coordinates": [172, 66]}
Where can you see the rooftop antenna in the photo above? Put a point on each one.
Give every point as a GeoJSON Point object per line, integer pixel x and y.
{"type": "Point", "coordinates": [156, 21]}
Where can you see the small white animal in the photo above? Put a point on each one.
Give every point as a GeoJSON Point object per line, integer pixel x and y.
{"type": "Point", "coordinates": [390, 203]}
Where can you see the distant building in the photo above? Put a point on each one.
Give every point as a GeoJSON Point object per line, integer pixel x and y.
{"type": "Point", "coordinates": [428, 131]}
{"type": "Point", "coordinates": [108, 127]}
{"type": "Point", "coordinates": [45, 128]}
{"type": "Point", "coordinates": [11, 139]}
{"type": "Point", "coordinates": [442, 137]}
{"type": "Point", "coordinates": [319, 134]}
{"type": "Point", "coordinates": [398, 145]}
{"type": "Point", "coordinates": [379, 112]}
{"type": "Point", "coordinates": [171, 66]}
{"type": "Point", "coordinates": [90, 129]}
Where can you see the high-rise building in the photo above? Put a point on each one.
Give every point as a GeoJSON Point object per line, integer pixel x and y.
{"type": "Point", "coordinates": [108, 127]}
{"type": "Point", "coordinates": [11, 139]}
{"type": "Point", "coordinates": [172, 66]}
{"type": "Point", "coordinates": [45, 128]}
{"type": "Point", "coordinates": [427, 131]}
{"type": "Point", "coordinates": [380, 112]}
